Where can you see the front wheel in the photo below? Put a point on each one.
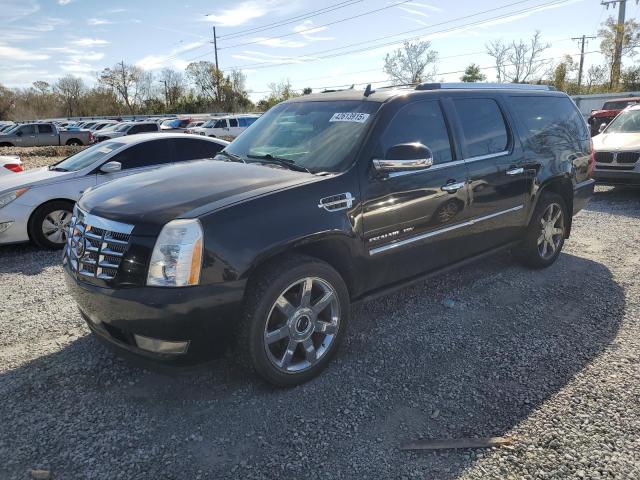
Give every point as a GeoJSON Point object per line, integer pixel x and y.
{"type": "Point", "coordinates": [296, 312]}
{"type": "Point", "coordinates": [544, 237]}
{"type": "Point", "coordinates": [48, 224]}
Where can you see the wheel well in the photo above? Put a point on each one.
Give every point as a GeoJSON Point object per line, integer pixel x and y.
{"type": "Point", "coordinates": [332, 251]}
{"type": "Point", "coordinates": [30, 222]}
{"type": "Point", "coordinates": [563, 187]}
{"type": "Point", "coordinates": [6, 144]}
{"type": "Point", "coordinates": [74, 141]}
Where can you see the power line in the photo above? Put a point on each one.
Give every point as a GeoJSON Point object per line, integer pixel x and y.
{"type": "Point", "coordinates": [316, 27]}
{"type": "Point", "coordinates": [314, 57]}
{"type": "Point", "coordinates": [280, 23]}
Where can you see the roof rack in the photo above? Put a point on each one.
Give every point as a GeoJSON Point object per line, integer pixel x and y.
{"type": "Point", "coordinates": [474, 86]}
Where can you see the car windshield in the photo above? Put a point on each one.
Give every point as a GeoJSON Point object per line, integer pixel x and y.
{"type": "Point", "coordinates": [87, 156]}
{"type": "Point", "coordinates": [208, 124]}
{"type": "Point", "coordinates": [628, 121]}
{"type": "Point", "coordinates": [171, 123]}
{"type": "Point", "coordinates": [319, 136]}
{"type": "Point", "coordinates": [618, 105]}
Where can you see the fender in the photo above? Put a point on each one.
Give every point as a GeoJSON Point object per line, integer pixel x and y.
{"type": "Point", "coordinates": [561, 184]}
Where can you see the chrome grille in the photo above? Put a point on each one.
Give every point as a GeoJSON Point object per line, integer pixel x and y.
{"type": "Point", "coordinates": [623, 158]}
{"type": "Point", "coordinates": [95, 246]}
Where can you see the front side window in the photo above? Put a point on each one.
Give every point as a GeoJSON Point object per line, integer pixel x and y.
{"type": "Point", "coordinates": [628, 121]}
{"type": "Point", "coordinates": [88, 156]}
{"type": "Point", "coordinates": [483, 126]}
{"type": "Point", "coordinates": [28, 130]}
{"type": "Point", "coordinates": [319, 136]}
{"type": "Point", "coordinates": [420, 122]}
{"type": "Point", "coordinates": [233, 122]}
{"type": "Point", "coordinates": [220, 124]}
{"type": "Point", "coordinates": [193, 149]}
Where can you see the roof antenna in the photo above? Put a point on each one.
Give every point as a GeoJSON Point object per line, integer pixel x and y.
{"type": "Point", "coordinates": [368, 91]}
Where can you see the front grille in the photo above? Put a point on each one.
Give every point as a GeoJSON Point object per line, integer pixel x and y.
{"type": "Point", "coordinates": [604, 157]}
{"type": "Point", "coordinates": [627, 157]}
{"type": "Point", "coordinates": [95, 246]}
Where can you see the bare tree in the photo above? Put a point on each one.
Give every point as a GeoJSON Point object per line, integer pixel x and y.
{"type": "Point", "coordinates": [7, 102]}
{"type": "Point", "coordinates": [413, 63]}
{"type": "Point", "coordinates": [174, 85]}
{"type": "Point", "coordinates": [131, 84]}
{"type": "Point", "coordinates": [206, 78]}
{"type": "Point", "coordinates": [41, 86]}
{"type": "Point", "coordinates": [69, 89]}
{"type": "Point", "coordinates": [519, 61]}
{"type": "Point", "coordinates": [596, 77]}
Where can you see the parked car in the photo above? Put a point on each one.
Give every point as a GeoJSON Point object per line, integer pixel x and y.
{"type": "Point", "coordinates": [327, 199]}
{"type": "Point", "coordinates": [601, 118]}
{"type": "Point", "coordinates": [189, 128]}
{"type": "Point", "coordinates": [42, 134]}
{"type": "Point", "coordinates": [127, 128]}
{"type": "Point", "coordinates": [37, 205]}
{"type": "Point", "coordinates": [10, 164]}
{"type": "Point", "coordinates": [229, 126]}
{"type": "Point", "coordinates": [102, 125]}
{"type": "Point", "coordinates": [618, 150]}
{"type": "Point", "coordinates": [175, 125]}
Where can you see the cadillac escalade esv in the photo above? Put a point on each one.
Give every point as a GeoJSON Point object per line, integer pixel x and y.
{"type": "Point", "coordinates": [325, 200]}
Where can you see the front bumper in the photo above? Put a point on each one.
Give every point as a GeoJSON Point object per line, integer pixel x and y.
{"type": "Point", "coordinates": [610, 176]}
{"type": "Point", "coordinates": [17, 231]}
{"type": "Point", "coordinates": [203, 318]}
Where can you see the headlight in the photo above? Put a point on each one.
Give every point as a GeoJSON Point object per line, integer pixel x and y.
{"type": "Point", "coordinates": [7, 198]}
{"type": "Point", "coordinates": [176, 260]}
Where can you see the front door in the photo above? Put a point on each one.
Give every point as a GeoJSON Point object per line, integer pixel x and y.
{"type": "Point", "coordinates": [28, 136]}
{"type": "Point", "coordinates": [496, 169]}
{"type": "Point", "coordinates": [411, 219]}
{"type": "Point", "coordinates": [140, 158]}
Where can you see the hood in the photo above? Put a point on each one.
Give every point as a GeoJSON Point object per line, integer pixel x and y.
{"type": "Point", "coordinates": [32, 178]}
{"type": "Point", "coordinates": [185, 190]}
{"type": "Point", "coordinates": [611, 142]}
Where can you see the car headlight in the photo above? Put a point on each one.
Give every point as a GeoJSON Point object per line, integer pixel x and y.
{"type": "Point", "coordinates": [176, 260]}
{"type": "Point", "coordinates": [7, 198]}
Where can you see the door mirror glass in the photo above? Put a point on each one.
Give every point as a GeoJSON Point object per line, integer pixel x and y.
{"type": "Point", "coordinates": [405, 157]}
{"type": "Point", "coordinates": [603, 125]}
{"type": "Point", "coordinates": [111, 167]}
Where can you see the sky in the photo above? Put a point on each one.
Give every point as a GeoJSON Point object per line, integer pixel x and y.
{"type": "Point", "coordinates": [310, 43]}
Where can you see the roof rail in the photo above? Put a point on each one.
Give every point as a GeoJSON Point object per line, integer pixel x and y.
{"type": "Point", "coordinates": [474, 86]}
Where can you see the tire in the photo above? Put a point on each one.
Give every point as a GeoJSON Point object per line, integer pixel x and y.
{"type": "Point", "coordinates": [74, 143]}
{"type": "Point", "coordinates": [288, 338]}
{"type": "Point", "coordinates": [544, 237]}
{"type": "Point", "coordinates": [5, 144]}
{"type": "Point", "coordinates": [54, 217]}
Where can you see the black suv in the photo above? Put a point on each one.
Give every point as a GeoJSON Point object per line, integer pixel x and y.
{"type": "Point", "coordinates": [325, 200]}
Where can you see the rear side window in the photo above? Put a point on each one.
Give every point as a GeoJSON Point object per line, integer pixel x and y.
{"type": "Point", "coordinates": [549, 117]}
{"type": "Point", "coordinates": [192, 149]}
{"type": "Point", "coordinates": [153, 152]}
{"type": "Point", "coordinates": [45, 129]}
{"type": "Point", "coordinates": [483, 126]}
{"type": "Point", "coordinates": [421, 122]}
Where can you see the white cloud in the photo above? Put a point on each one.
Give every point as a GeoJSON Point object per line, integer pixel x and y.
{"type": "Point", "coordinates": [267, 58]}
{"type": "Point", "coordinates": [307, 30]}
{"type": "Point", "coordinates": [64, 2]}
{"type": "Point", "coordinates": [90, 42]}
{"type": "Point", "coordinates": [12, 53]}
{"type": "Point", "coordinates": [76, 67]}
{"type": "Point", "coordinates": [238, 15]}
{"type": "Point", "coordinates": [156, 62]}
{"type": "Point", "coordinates": [98, 21]}
{"type": "Point", "coordinates": [425, 6]}
{"type": "Point", "coordinates": [415, 12]}
{"type": "Point", "coordinates": [13, 10]}
{"type": "Point", "coordinates": [278, 42]}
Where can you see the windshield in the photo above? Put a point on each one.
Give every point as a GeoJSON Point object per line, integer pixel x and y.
{"type": "Point", "coordinates": [618, 105]}
{"type": "Point", "coordinates": [12, 129]}
{"type": "Point", "coordinates": [87, 156]}
{"type": "Point", "coordinates": [122, 127]}
{"type": "Point", "coordinates": [319, 136]}
{"type": "Point", "coordinates": [208, 124]}
{"type": "Point", "coordinates": [628, 121]}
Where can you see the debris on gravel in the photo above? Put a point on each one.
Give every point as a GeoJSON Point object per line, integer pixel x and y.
{"type": "Point", "coordinates": [549, 357]}
{"type": "Point", "coordinates": [35, 157]}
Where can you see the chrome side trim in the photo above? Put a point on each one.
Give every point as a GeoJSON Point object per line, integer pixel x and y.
{"type": "Point", "coordinates": [485, 157]}
{"type": "Point", "coordinates": [103, 223]}
{"type": "Point", "coordinates": [417, 238]}
{"type": "Point", "coordinates": [439, 166]}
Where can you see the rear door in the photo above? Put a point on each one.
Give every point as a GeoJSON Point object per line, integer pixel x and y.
{"type": "Point", "coordinates": [496, 169]}
{"type": "Point", "coordinates": [234, 127]}
{"type": "Point", "coordinates": [46, 135]}
{"type": "Point", "coordinates": [412, 221]}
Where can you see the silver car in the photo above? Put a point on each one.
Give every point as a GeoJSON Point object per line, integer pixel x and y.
{"type": "Point", "coordinates": [36, 205]}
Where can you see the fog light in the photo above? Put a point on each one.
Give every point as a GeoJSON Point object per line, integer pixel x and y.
{"type": "Point", "coordinates": [161, 346]}
{"type": "Point", "coordinates": [4, 226]}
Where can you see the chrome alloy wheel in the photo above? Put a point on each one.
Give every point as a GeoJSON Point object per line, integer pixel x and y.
{"type": "Point", "coordinates": [54, 226]}
{"type": "Point", "coordinates": [552, 231]}
{"type": "Point", "coordinates": [302, 325]}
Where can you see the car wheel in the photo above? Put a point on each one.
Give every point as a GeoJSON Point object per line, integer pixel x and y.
{"type": "Point", "coordinates": [545, 234]}
{"type": "Point", "coordinates": [48, 224]}
{"type": "Point", "coordinates": [74, 143]}
{"type": "Point", "coordinates": [296, 312]}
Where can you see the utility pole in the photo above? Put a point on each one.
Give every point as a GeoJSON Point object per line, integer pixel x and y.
{"type": "Point", "coordinates": [582, 40]}
{"type": "Point", "coordinates": [617, 54]}
{"type": "Point", "coordinates": [215, 46]}
{"type": "Point", "coordinates": [166, 93]}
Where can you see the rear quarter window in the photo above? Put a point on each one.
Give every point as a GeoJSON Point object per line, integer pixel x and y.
{"type": "Point", "coordinates": [549, 119]}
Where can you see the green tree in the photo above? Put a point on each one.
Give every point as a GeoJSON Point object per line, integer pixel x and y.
{"type": "Point", "coordinates": [473, 74]}
{"type": "Point", "coordinates": [630, 42]}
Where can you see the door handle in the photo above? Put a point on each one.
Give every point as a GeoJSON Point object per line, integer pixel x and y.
{"type": "Point", "coordinates": [515, 171]}
{"type": "Point", "coordinates": [453, 187]}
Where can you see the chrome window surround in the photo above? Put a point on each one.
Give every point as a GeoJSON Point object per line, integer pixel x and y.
{"type": "Point", "coordinates": [439, 166]}
{"type": "Point", "coordinates": [417, 238]}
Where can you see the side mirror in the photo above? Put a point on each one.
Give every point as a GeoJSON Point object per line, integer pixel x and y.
{"type": "Point", "coordinates": [603, 125]}
{"type": "Point", "coordinates": [404, 157]}
{"type": "Point", "coordinates": [111, 167]}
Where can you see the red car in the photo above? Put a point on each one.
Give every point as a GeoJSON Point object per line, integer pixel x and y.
{"type": "Point", "coordinates": [608, 112]}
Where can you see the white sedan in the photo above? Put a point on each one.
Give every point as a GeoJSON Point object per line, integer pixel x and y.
{"type": "Point", "coordinates": [37, 204]}
{"type": "Point", "coordinates": [10, 164]}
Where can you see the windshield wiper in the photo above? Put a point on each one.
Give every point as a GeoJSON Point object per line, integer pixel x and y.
{"type": "Point", "coordinates": [53, 168]}
{"type": "Point", "coordinates": [283, 162]}
{"type": "Point", "coordinates": [231, 156]}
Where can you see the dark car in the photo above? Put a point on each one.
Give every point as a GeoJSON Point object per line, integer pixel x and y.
{"type": "Point", "coordinates": [326, 200]}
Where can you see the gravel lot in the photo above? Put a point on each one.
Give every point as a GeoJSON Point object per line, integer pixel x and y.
{"type": "Point", "coordinates": [550, 358]}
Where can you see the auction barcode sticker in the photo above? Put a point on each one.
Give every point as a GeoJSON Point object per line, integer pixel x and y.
{"type": "Point", "coordinates": [349, 117]}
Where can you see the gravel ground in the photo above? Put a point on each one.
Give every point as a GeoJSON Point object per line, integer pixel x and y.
{"type": "Point", "coordinates": [34, 157]}
{"type": "Point", "coordinates": [550, 358]}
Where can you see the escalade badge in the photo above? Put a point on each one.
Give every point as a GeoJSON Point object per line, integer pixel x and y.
{"type": "Point", "coordinates": [337, 202]}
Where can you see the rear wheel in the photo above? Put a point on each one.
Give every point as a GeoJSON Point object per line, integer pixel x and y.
{"type": "Point", "coordinates": [545, 234]}
{"type": "Point", "coordinates": [74, 143]}
{"type": "Point", "coordinates": [49, 223]}
{"type": "Point", "coordinates": [296, 313]}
